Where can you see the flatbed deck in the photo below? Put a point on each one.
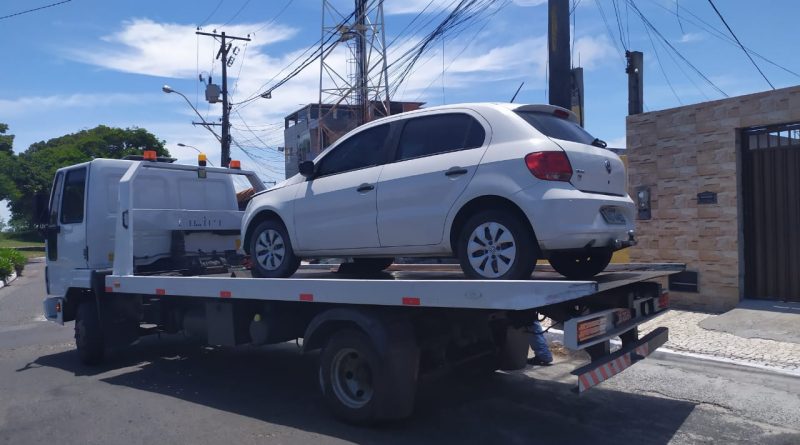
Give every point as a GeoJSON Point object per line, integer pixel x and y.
{"type": "Point", "coordinates": [442, 286]}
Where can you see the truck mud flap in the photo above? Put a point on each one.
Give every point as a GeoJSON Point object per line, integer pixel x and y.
{"type": "Point", "coordinates": [606, 367]}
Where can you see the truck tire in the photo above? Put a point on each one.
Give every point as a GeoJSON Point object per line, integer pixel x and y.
{"type": "Point", "coordinates": [271, 251]}
{"type": "Point", "coordinates": [358, 384]}
{"type": "Point", "coordinates": [581, 265]}
{"type": "Point", "coordinates": [89, 334]}
{"type": "Point", "coordinates": [496, 245]}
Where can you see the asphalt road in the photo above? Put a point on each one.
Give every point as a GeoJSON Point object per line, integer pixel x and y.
{"type": "Point", "coordinates": [170, 391]}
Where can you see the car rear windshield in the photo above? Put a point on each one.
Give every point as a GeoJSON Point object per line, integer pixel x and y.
{"type": "Point", "coordinates": [556, 127]}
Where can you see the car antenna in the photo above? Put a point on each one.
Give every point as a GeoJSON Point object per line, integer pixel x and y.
{"type": "Point", "coordinates": [515, 94]}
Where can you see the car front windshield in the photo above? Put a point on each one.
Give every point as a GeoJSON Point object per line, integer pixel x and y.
{"type": "Point", "coordinates": [556, 127]}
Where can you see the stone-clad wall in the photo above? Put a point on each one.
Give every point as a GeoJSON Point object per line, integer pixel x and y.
{"type": "Point", "coordinates": [681, 152]}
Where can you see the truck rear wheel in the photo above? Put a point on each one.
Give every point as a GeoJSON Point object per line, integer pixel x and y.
{"type": "Point", "coordinates": [357, 383]}
{"type": "Point", "coordinates": [89, 334]}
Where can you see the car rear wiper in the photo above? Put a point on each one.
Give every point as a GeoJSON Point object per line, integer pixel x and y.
{"type": "Point", "coordinates": [599, 143]}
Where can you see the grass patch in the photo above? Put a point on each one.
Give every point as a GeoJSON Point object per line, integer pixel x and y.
{"type": "Point", "coordinates": [21, 239]}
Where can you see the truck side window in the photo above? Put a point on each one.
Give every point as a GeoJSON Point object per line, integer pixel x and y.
{"type": "Point", "coordinates": [72, 201]}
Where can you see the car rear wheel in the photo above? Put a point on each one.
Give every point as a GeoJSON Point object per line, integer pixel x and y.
{"type": "Point", "coordinates": [580, 265]}
{"type": "Point", "coordinates": [496, 245]}
{"type": "Point", "coordinates": [271, 251]}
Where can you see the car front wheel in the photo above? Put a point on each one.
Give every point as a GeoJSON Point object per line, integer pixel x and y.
{"type": "Point", "coordinates": [496, 245]}
{"type": "Point", "coordinates": [580, 265]}
{"type": "Point", "coordinates": [271, 251]}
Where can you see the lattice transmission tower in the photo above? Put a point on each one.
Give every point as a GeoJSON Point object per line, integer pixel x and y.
{"type": "Point", "coordinates": [353, 69]}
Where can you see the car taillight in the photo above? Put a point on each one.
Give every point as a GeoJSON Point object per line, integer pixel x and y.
{"type": "Point", "coordinates": [549, 165]}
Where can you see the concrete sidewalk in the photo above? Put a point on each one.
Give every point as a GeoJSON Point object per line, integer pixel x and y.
{"type": "Point", "coordinates": [757, 333]}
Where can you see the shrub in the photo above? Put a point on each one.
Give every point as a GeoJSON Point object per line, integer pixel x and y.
{"type": "Point", "coordinates": [6, 267]}
{"type": "Point", "coordinates": [15, 258]}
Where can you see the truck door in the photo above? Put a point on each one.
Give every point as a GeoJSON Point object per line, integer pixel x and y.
{"type": "Point", "coordinates": [66, 230]}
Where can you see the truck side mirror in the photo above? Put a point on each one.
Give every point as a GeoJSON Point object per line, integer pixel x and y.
{"type": "Point", "coordinates": [306, 169]}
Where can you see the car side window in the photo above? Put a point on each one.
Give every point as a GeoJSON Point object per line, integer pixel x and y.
{"type": "Point", "coordinates": [73, 198]}
{"type": "Point", "coordinates": [364, 149]}
{"type": "Point", "coordinates": [430, 135]}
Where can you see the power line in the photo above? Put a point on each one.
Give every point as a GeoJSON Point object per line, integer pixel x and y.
{"type": "Point", "coordinates": [740, 43]}
{"type": "Point", "coordinates": [239, 11]}
{"type": "Point", "coordinates": [210, 15]}
{"type": "Point", "coordinates": [34, 9]}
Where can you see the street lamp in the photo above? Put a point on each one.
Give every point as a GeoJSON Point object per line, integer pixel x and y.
{"type": "Point", "coordinates": [168, 89]}
{"type": "Point", "coordinates": [195, 149]}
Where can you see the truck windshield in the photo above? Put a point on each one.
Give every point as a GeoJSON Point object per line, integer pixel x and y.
{"type": "Point", "coordinates": [556, 127]}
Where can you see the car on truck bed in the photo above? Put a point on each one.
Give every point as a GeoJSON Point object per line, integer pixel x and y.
{"type": "Point", "coordinates": [140, 247]}
{"type": "Point", "coordinates": [496, 185]}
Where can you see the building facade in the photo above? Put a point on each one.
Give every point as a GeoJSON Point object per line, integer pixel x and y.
{"type": "Point", "coordinates": [717, 185]}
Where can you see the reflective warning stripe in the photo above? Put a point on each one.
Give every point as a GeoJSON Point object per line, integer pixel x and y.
{"type": "Point", "coordinates": [306, 297]}
{"type": "Point", "coordinates": [411, 301]}
{"type": "Point", "coordinates": [109, 289]}
{"type": "Point", "coordinates": [224, 294]}
{"type": "Point", "coordinates": [161, 292]}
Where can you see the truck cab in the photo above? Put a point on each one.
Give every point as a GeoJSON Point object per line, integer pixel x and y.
{"type": "Point", "coordinates": [84, 211]}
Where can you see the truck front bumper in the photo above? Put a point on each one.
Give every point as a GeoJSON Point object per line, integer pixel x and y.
{"type": "Point", "coordinates": [54, 309]}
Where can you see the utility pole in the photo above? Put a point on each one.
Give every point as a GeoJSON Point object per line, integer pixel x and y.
{"type": "Point", "coordinates": [576, 101]}
{"type": "Point", "coordinates": [222, 55]}
{"type": "Point", "coordinates": [362, 96]}
{"type": "Point", "coordinates": [558, 51]}
{"type": "Point", "coordinates": [635, 70]}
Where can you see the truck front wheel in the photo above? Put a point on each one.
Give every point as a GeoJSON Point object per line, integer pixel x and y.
{"type": "Point", "coordinates": [89, 334]}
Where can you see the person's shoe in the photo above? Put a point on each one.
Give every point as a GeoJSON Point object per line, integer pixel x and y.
{"type": "Point", "coordinates": [538, 361]}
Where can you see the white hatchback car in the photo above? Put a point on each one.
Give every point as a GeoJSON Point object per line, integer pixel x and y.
{"type": "Point", "coordinates": [497, 185]}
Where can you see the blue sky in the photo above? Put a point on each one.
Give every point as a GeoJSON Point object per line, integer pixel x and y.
{"type": "Point", "coordinates": [90, 62]}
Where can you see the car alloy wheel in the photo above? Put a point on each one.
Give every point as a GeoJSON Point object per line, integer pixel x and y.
{"type": "Point", "coordinates": [491, 249]}
{"type": "Point", "coordinates": [270, 249]}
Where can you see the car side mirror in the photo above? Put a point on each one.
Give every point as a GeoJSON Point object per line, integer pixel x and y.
{"type": "Point", "coordinates": [306, 169]}
{"type": "Point", "coordinates": [41, 209]}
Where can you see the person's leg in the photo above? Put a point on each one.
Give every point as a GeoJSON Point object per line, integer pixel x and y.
{"type": "Point", "coordinates": [538, 342]}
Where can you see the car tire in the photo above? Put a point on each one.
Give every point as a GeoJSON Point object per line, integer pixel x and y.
{"type": "Point", "coordinates": [580, 265]}
{"type": "Point", "coordinates": [496, 245]}
{"type": "Point", "coordinates": [271, 252]}
{"type": "Point", "coordinates": [89, 334]}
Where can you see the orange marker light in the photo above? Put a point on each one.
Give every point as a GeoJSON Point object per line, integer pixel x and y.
{"type": "Point", "coordinates": [150, 155]}
{"type": "Point", "coordinates": [236, 165]}
{"type": "Point", "coordinates": [201, 159]}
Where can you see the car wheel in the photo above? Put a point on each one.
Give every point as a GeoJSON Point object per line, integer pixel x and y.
{"type": "Point", "coordinates": [89, 334]}
{"type": "Point", "coordinates": [496, 245]}
{"type": "Point", "coordinates": [580, 265]}
{"type": "Point", "coordinates": [271, 251]}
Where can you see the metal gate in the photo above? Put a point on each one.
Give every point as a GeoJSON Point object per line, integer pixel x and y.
{"type": "Point", "coordinates": [771, 206]}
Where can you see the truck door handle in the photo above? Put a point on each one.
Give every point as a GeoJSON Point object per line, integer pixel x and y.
{"type": "Point", "coordinates": [455, 171]}
{"type": "Point", "coordinates": [363, 188]}
{"type": "Point", "coordinates": [53, 229]}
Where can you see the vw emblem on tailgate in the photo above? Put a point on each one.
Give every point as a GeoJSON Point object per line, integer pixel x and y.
{"type": "Point", "coordinates": [608, 166]}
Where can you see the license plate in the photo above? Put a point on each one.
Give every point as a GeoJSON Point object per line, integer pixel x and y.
{"type": "Point", "coordinates": [612, 215]}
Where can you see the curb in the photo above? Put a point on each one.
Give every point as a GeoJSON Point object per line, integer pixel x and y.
{"type": "Point", "coordinates": [558, 335]}
{"type": "Point", "coordinates": [9, 280]}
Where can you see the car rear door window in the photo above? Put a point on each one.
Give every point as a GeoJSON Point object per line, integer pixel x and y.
{"type": "Point", "coordinates": [365, 149]}
{"type": "Point", "coordinates": [556, 127]}
{"type": "Point", "coordinates": [440, 133]}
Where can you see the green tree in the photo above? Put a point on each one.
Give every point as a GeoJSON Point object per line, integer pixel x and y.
{"type": "Point", "coordinates": [6, 140]}
{"type": "Point", "coordinates": [32, 171]}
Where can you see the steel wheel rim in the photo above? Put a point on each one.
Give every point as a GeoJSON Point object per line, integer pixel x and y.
{"type": "Point", "coordinates": [351, 378]}
{"type": "Point", "coordinates": [491, 249]}
{"type": "Point", "coordinates": [270, 249]}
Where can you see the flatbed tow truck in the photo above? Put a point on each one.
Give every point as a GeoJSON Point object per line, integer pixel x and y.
{"type": "Point", "coordinates": [139, 247]}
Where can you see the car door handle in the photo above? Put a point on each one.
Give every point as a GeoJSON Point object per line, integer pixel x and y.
{"type": "Point", "coordinates": [363, 188]}
{"type": "Point", "coordinates": [455, 171]}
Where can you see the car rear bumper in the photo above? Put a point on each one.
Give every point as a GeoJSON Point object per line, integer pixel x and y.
{"type": "Point", "coordinates": [566, 218]}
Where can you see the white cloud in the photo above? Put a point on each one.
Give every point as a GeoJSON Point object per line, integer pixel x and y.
{"type": "Point", "coordinates": [691, 37]}
{"type": "Point", "coordinates": [36, 104]}
{"type": "Point", "coordinates": [530, 2]}
{"type": "Point", "coordinates": [391, 7]}
{"type": "Point", "coordinates": [167, 49]}
{"type": "Point", "coordinates": [591, 51]}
